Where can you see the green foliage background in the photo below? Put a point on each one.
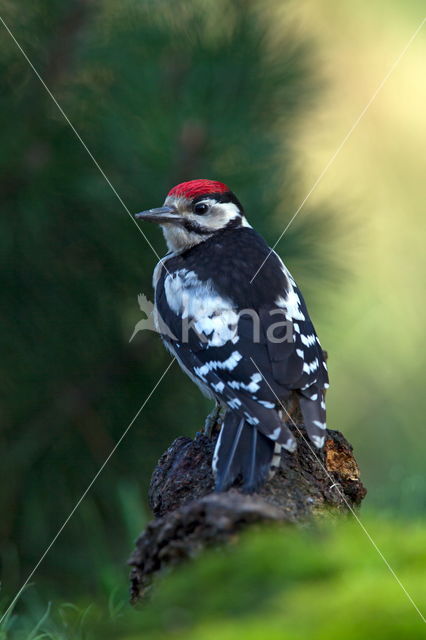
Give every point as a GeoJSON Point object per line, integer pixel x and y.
{"type": "Point", "coordinates": [160, 92]}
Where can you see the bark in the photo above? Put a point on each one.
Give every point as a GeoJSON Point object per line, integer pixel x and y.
{"type": "Point", "coordinates": [189, 516]}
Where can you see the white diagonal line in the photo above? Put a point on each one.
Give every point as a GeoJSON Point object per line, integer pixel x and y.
{"type": "Point", "coordinates": [85, 492]}
{"type": "Point", "coordinates": [96, 163]}
{"type": "Point", "coordinates": [392, 571]}
{"type": "Point", "coordinates": [346, 138]}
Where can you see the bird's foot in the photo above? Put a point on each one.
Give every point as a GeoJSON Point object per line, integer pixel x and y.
{"type": "Point", "coordinates": [214, 420]}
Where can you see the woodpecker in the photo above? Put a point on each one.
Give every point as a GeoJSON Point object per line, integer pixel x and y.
{"type": "Point", "coordinates": [231, 313]}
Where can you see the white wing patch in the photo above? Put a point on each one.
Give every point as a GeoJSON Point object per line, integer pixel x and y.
{"type": "Point", "coordinates": [252, 386]}
{"type": "Point", "coordinates": [291, 301]}
{"type": "Point", "coordinates": [230, 364]}
{"type": "Point", "coordinates": [265, 403]}
{"type": "Point", "coordinates": [201, 307]}
{"type": "Point", "coordinates": [310, 367]}
{"type": "Point", "coordinates": [308, 341]}
{"type": "Point", "coordinates": [218, 387]}
{"type": "Point", "coordinates": [291, 304]}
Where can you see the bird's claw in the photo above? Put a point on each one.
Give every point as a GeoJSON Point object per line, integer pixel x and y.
{"type": "Point", "coordinates": [213, 420]}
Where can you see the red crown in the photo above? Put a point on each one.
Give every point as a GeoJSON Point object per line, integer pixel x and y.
{"type": "Point", "coordinates": [195, 188]}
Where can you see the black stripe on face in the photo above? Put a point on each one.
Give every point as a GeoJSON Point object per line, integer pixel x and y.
{"type": "Point", "coordinates": [234, 223]}
{"type": "Point", "coordinates": [189, 225]}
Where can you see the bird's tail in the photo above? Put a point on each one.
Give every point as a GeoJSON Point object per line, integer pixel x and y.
{"type": "Point", "coordinates": [241, 450]}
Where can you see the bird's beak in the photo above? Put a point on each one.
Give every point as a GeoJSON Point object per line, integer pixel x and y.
{"type": "Point", "coordinates": [161, 215]}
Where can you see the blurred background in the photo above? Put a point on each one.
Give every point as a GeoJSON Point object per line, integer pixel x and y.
{"type": "Point", "coordinates": [258, 95]}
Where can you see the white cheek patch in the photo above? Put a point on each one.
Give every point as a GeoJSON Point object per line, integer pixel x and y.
{"type": "Point", "coordinates": [177, 238]}
{"type": "Point", "coordinates": [225, 213]}
{"type": "Point", "coordinates": [220, 214]}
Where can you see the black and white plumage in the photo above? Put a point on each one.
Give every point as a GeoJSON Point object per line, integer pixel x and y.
{"type": "Point", "coordinates": [247, 343]}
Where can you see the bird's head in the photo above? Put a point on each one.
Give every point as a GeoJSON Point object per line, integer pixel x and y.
{"type": "Point", "coordinates": [193, 211]}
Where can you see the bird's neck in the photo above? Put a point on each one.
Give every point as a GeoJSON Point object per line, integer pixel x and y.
{"type": "Point", "coordinates": [179, 239]}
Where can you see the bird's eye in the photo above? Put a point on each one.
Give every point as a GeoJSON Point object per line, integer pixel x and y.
{"type": "Point", "coordinates": [201, 208]}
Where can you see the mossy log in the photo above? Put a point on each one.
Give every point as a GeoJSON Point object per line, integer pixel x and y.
{"type": "Point", "coordinates": [190, 516]}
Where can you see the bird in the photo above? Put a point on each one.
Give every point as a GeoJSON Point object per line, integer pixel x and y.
{"type": "Point", "coordinates": [232, 315]}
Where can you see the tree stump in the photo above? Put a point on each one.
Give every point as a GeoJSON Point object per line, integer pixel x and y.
{"type": "Point", "coordinates": [190, 516]}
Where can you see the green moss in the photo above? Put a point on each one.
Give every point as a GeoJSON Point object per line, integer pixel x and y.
{"type": "Point", "coordinates": [277, 583]}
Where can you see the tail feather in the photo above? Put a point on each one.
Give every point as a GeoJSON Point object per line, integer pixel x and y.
{"type": "Point", "coordinates": [256, 463]}
{"type": "Point", "coordinates": [269, 423]}
{"type": "Point", "coordinates": [241, 450]}
{"type": "Point", "coordinates": [314, 416]}
{"type": "Point", "coordinates": [226, 463]}
{"type": "Point", "coordinates": [250, 475]}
